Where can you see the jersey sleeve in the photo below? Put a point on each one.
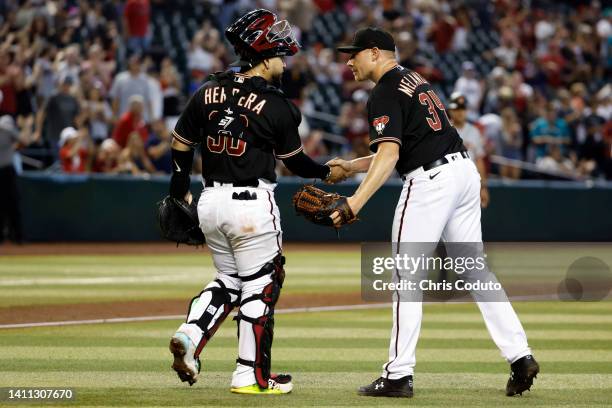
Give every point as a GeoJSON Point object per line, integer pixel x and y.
{"type": "Point", "coordinates": [191, 123]}
{"type": "Point", "coordinates": [385, 118]}
{"type": "Point", "coordinates": [287, 138]}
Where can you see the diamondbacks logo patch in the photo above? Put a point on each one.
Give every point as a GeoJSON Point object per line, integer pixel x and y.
{"type": "Point", "coordinates": [379, 124]}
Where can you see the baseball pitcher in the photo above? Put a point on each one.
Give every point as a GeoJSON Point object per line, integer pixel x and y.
{"type": "Point", "coordinates": [440, 199]}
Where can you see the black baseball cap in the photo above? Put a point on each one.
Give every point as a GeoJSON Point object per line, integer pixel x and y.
{"type": "Point", "coordinates": [457, 101]}
{"type": "Point", "coordinates": [369, 38]}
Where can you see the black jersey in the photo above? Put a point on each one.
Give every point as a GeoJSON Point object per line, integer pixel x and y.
{"type": "Point", "coordinates": [242, 123]}
{"type": "Point", "coordinates": [403, 108]}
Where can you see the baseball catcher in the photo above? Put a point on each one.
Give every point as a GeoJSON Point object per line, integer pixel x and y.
{"type": "Point", "coordinates": [243, 123]}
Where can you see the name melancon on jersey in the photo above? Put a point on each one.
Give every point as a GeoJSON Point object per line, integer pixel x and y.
{"type": "Point", "coordinates": [410, 82]}
{"type": "Point", "coordinates": [216, 95]}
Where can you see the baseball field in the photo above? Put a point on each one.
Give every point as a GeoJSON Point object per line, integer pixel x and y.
{"type": "Point", "coordinates": [325, 336]}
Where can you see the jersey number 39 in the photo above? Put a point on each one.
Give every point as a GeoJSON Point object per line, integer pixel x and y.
{"type": "Point", "coordinates": [431, 100]}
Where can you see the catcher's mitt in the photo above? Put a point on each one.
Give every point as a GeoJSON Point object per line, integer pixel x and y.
{"type": "Point", "coordinates": [317, 205]}
{"type": "Point", "coordinates": [178, 221]}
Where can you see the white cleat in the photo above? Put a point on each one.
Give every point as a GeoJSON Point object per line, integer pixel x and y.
{"type": "Point", "coordinates": [186, 366]}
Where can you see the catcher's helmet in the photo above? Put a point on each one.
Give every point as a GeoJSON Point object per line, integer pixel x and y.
{"type": "Point", "coordinates": [258, 35]}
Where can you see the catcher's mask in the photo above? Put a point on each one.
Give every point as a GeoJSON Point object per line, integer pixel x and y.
{"type": "Point", "coordinates": [258, 35]}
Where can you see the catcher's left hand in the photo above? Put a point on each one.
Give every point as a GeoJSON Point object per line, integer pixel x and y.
{"type": "Point", "coordinates": [318, 205]}
{"type": "Point", "coordinates": [178, 221]}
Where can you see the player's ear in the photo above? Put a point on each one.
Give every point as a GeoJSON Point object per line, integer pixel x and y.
{"type": "Point", "coordinates": [265, 63]}
{"type": "Point", "coordinates": [374, 52]}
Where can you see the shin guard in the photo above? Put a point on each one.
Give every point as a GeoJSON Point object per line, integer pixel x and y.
{"type": "Point", "coordinates": [210, 308]}
{"type": "Point", "coordinates": [263, 326]}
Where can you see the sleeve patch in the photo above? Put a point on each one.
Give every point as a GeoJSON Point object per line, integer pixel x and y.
{"type": "Point", "coordinates": [379, 124]}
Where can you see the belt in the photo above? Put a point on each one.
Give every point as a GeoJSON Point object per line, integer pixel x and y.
{"type": "Point", "coordinates": [440, 162]}
{"type": "Point", "coordinates": [244, 183]}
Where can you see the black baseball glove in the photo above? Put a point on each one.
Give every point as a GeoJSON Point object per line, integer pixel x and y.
{"type": "Point", "coordinates": [178, 221]}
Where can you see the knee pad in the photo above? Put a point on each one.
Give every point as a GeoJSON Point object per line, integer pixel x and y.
{"type": "Point", "coordinates": [210, 308]}
{"type": "Point", "coordinates": [263, 326]}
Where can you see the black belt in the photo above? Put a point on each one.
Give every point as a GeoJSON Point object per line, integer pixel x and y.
{"type": "Point", "coordinates": [437, 163]}
{"type": "Point", "coordinates": [244, 183]}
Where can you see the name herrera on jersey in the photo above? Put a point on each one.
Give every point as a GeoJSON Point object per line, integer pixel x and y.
{"type": "Point", "coordinates": [217, 95]}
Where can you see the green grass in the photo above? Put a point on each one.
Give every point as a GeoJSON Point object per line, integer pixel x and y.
{"type": "Point", "coordinates": [76, 279]}
{"type": "Point", "coordinates": [127, 364]}
{"type": "Point", "coordinates": [329, 354]}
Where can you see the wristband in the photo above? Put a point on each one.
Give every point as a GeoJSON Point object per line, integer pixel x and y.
{"type": "Point", "coordinates": [181, 167]}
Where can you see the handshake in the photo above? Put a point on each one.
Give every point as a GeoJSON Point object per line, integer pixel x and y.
{"type": "Point", "coordinates": [340, 170]}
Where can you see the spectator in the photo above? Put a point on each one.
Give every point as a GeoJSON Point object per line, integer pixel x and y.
{"type": "Point", "coordinates": [155, 91]}
{"type": "Point", "coordinates": [326, 70]}
{"type": "Point", "coordinates": [10, 216]}
{"type": "Point", "coordinates": [75, 150]}
{"type": "Point", "coordinates": [462, 29]}
{"type": "Point", "coordinates": [296, 77]}
{"type": "Point", "coordinates": [200, 60]}
{"type": "Point", "coordinates": [60, 112]}
{"type": "Point", "coordinates": [314, 146]}
{"type": "Point", "coordinates": [102, 69]}
{"type": "Point", "coordinates": [591, 153]}
{"type": "Point", "coordinates": [9, 77]}
{"type": "Point", "coordinates": [131, 122]}
{"type": "Point", "coordinates": [547, 130]}
{"type": "Point", "coordinates": [442, 32]}
{"type": "Point", "coordinates": [107, 157]}
{"type": "Point", "coordinates": [133, 158]}
{"type": "Point", "coordinates": [554, 162]}
{"type": "Point", "coordinates": [171, 89]}
{"type": "Point", "coordinates": [43, 75]}
{"type": "Point", "coordinates": [68, 64]}
{"type": "Point", "coordinates": [495, 81]}
{"type": "Point", "coordinates": [136, 17]}
{"type": "Point", "coordinates": [511, 143]}
{"type": "Point", "coordinates": [354, 116]}
{"type": "Point", "coordinates": [158, 147]}
{"type": "Point", "coordinates": [130, 83]}
{"type": "Point", "coordinates": [507, 52]}
{"type": "Point", "coordinates": [471, 87]}
{"type": "Point", "coordinates": [99, 114]}
{"type": "Point", "coordinates": [472, 140]}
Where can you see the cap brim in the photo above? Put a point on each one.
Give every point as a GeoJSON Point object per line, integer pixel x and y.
{"type": "Point", "coordinates": [349, 49]}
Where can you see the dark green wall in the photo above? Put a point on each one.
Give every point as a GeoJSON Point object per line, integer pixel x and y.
{"type": "Point", "coordinates": [121, 208]}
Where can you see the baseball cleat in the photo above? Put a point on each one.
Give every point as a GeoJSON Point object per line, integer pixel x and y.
{"type": "Point", "coordinates": [384, 387]}
{"type": "Point", "coordinates": [522, 373]}
{"type": "Point", "coordinates": [186, 366]}
{"type": "Point", "coordinates": [278, 384]}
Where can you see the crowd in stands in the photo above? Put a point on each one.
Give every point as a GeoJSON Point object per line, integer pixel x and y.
{"type": "Point", "coordinates": [96, 86]}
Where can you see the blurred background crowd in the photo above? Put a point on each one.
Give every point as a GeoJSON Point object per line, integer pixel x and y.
{"type": "Point", "coordinates": [97, 86]}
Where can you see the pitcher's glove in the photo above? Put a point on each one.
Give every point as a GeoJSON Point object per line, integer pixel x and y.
{"type": "Point", "coordinates": [317, 205]}
{"type": "Point", "coordinates": [178, 221]}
